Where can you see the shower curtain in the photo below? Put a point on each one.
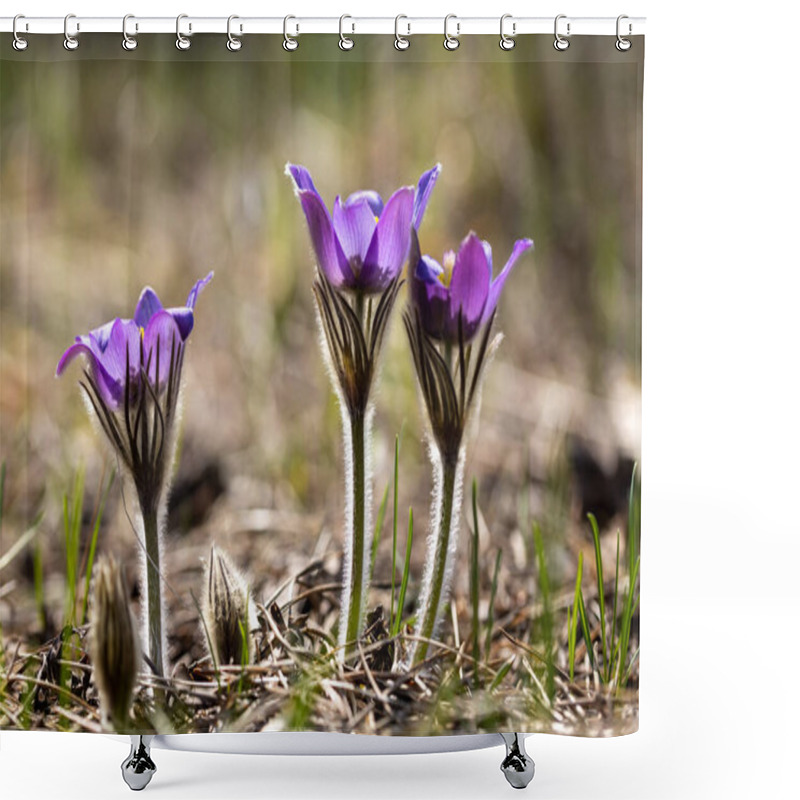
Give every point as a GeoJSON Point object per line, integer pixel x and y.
{"type": "Point", "coordinates": [320, 386]}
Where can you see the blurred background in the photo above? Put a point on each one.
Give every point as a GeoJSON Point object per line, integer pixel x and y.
{"type": "Point", "coordinates": [153, 169]}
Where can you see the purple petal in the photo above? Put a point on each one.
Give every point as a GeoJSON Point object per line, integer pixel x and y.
{"type": "Point", "coordinates": [423, 192]}
{"type": "Point", "coordinates": [160, 335]}
{"type": "Point", "coordinates": [520, 247]}
{"type": "Point", "coordinates": [148, 305]}
{"type": "Point", "coordinates": [184, 319]}
{"type": "Point", "coordinates": [429, 270]}
{"type": "Point", "coordinates": [487, 248]}
{"type": "Point", "coordinates": [74, 350]}
{"type": "Point", "coordinates": [301, 177]}
{"type": "Point", "coordinates": [373, 198]}
{"type": "Point", "coordinates": [469, 286]}
{"type": "Point", "coordinates": [354, 223]}
{"type": "Point", "coordinates": [431, 297]}
{"type": "Point", "coordinates": [390, 242]}
{"type": "Point", "coordinates": [123, 344]}
{"type": "Point", "coordinates": [195, 291]}
{"type": "Point", "coordinates": [330, 257]}
{"type": "Point", "coordinates": [99, 337]}
{"type": "Point", "coordinates": [110, 390]}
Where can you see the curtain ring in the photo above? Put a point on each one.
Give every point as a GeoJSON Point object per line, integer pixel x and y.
{"type": "Point", "coordinates": [70, 41]}
{"type": "Point", "coordinates": [19, 43]}
{"type": "Point", "coordinates": [451, 42]}
{"type": "Point", "coordinates": [507, 42]}
{"type": "Point", "coordinates": [129, 42]}
{"type": "Point", "coordinates": [345, 43]}
{"type": "Point", "coordinates": [289, 42]}
{"type": "Point", "coordinates": [561, 43]}
{"type": "Point", "coordinates": [182, 42]}
{"type": "Point", "coordinates": [623, 44]}
{"type": "Point", "coordinates": [401, 42]}
{"type": "Point", "coordinates": [234, 42]}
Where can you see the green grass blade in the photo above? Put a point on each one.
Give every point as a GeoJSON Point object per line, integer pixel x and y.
{"type": "Point", "coordinates": [406, 572]}
{"type": "Point", "coordinates": [394, 523]}
{"type": "Point", "coordinates": [474, 579]}
{"type": "Point", "coordinates": [72, 535]}
{"type": "Point", "coordinates": [611, 648]}
{"type": "Point", "coordinates": [492, 595]}
{"type": "Point", "coordinates": [625, 625]}
{"type": "Point", "coordinates": [498, 679]}
{"type": "Point", "coordinates": [634, 656]}
{"type": "Point", "coordinates": [38, 586]}
{"type": "Point", "coordinates": [376, 538]}
{"type": "Point", "coordinates": [634, 519]}
{"type": "Point", "coordinates": [570, 646]}
{"type": "Point", "coordinates": [573, 631]}
{"type": "Point", "coordinates": [598, 558]}
{"type": "Point", "coordinates": [585, 629]}
{"type": "Point", "coordinates": [93, 546]}
{"type": "Point", "coordinates": [67, 558]}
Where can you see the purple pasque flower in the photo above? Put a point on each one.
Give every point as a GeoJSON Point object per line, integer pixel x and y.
{"type": "Point", "coordinates": [461, 285]}
{"type": "Point", "coordinates": [363, 245]}
{"type": "Point", "coordinates": [144, 342]}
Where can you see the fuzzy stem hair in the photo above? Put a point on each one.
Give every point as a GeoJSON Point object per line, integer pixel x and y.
{"type": "Point", "coordinates": [351, 337]}
{"type": "Point", "coordinates": [142, 431]}
{"type": "Point", "coordinates": [448, 479]}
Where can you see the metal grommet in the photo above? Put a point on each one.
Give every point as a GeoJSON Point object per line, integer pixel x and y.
{"type": "Point", "coordinates": [507, 42]}
{"type": "Point", "coordinates": [561, 43]}
{"type": "Point", "coordinates": [401, 42]}
{"type": "Point", "coordinates": [129, 42]}
{"type": "Point", "coordinates": [289, 42]}
{"type": "Point", "coordinates": [345, 43]}
{"type": "Point", "coordinates": [182, 42]}
{"type": "Point", "coordinates": [451, 42]}
{"type": "Point", "coordinates": [19, 43]}
{"type": "Point", "coordinates": [70, 41]}
{"type": "Point", "coordinates": [622, 44]}
{"type": "Point", "coordinates": [234, 42]}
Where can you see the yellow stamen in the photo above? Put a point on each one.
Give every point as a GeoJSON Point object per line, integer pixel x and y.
{"type": "Point", "coordinates": [448, 262]}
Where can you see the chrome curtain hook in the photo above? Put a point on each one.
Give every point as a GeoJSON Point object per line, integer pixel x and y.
{"type": "Point", "coordinates": [507, 42]}
{"type": "Point", "coordinates": [451, 42]}
{"type": "Point", "coordinates": [234, 42]}
{"type": "Point", "coordinates": [561, 43]}
{"type": "Point", "coordinates": [70, 41]}
{"type": "Point", "coordinates": [623, 44]}
{"type": "Point", "coordinates": [182, 42]}
{"type": "Point", "coordinates": [19, 43]}
{"type": "Point", "coordinates": [345, 43]}
{"type": "Point", "coordinates": [129, 42]}
{"type": "Point", "coordinates": [289, 42]}
{"type": "Point", "coordinates": [401, 42]}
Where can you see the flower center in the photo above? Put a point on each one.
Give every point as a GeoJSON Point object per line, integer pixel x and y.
{"type": "Point", "coordinates": [448, 262]}
{"type": "Point", "coordinates": [356, 265]}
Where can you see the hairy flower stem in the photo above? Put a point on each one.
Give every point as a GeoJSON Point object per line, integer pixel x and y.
{"type": "Point", "coordinates": [358, 537]}
{"type": "Point", "coordinates": [352, 329]}
{"type": "Point", "coordinates": [155, 640]}
{"type": "Point", "coordinates": [444, 525]}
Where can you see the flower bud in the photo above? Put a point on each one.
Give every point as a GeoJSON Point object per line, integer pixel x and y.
{"type": "Point", "coordinates": [230, 612]}
{"type": "Point", "coordinates": [113, 643]}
